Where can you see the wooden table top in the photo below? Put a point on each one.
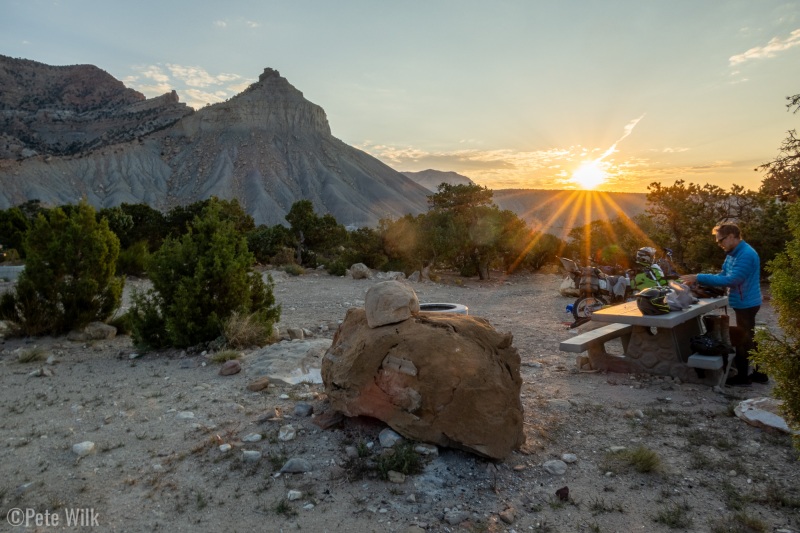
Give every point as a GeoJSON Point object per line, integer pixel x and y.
{"type": "Point", "coordinates": [628, 313]}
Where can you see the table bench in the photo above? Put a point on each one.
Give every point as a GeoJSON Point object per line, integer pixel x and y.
{"type": "Point", "coordinates": [652, 344]}
{"type": "Point", "coordinates": [597, 337]}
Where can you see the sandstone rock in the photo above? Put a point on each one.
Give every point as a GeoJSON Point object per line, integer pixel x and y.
{"type": "Point", "coordinates": [295, 333]}
{"type": "Point", "coordinates": [450, 380]}
{"type": "Point", "coordinates": [360, 271]}
{"type": "Point", "coordinates": [230, 367]}
{"type": "Point", "coordinates": [259, 384]}
{"type": "Point", "coordinates": [389, 302]}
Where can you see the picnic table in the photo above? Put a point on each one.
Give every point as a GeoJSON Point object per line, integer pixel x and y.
{"type": "Point", "coordinates": [652, 344]}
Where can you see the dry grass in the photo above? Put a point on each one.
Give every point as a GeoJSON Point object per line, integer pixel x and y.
{"type": "Point", "coordinates": [244, 331]}
{"type": "Point", "coordinates": [33, 355]}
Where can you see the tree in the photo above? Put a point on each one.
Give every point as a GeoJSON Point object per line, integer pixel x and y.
{"type": "Point", "coordinates": [778, 353]}
{"type": "Point", "coordinates": [782, 178]}
{"type": "Point", "coordinates": [69, 277]}
{"type": "Point", "coordinates": [313, 234]}
{"type": "Point", "coordinates": [199, 281]}
{"type": "Point", "coordinates": [13, 227]}
{"type": "Point", "coordinates": [683, 217]}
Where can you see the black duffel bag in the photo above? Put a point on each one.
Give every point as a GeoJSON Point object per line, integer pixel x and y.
{"type": "Point", "coordinates": [707, 345]}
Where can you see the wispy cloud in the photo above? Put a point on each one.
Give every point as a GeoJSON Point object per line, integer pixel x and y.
{"type": "Point", "coordinates": [771, 49]}
{"type": "Point", "coordinates": [220, 24]}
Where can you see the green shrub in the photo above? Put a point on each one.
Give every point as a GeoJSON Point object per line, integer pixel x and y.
{"type": "Point", "coordinates": [69, 278]}
{"type": "Point", "coordinates": [199, 281]}
{"type": "Point", "coordinates": [337, 267]}
{"type": "Point", "coordinates": [779, 355]}
{"type": "Point", "coordinates": [133, 260]}
{"type": "Point", "coordinates": [294, 269]}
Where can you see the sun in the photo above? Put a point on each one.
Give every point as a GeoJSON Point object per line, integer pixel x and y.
{"type": "Point", "coordinates": [589, 175]}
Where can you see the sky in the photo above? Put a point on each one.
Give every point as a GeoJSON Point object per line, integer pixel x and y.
{"type": "Point", "coordinates": [539, 94]}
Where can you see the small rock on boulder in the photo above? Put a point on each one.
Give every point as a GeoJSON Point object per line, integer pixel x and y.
{"type": "Point", "coordinates": [390, 302]}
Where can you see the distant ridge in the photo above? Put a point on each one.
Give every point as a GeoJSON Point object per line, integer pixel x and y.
{"type": "Point", "coordinates": [431, 179]}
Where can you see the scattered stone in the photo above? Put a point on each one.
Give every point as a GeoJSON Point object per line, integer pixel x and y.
{"type": "Point", "coordinates": [185, 415]}
{"type": "Point", "coordinates": [389, 438]}
{"type": "Point", "coordinates": [82, 449]}
{"type": "Point", "coordinates": [559, 404]}
{"type": "Point", "coordinates": [762, 413]}
{"type": "Point", "coordinates": [563, 494]}
{"type": "Point", "coordinates": [303, 409]}
{"type": "Point", "coordinates": [396, 477]}
{"type": "Point", "coordinates": [616, 449]}
{"type": "Point", "coordinates": [296, 466]}
{"type": "Point", "coordinates": [287, 433]}
{"type": "Point", "coordinates": [51, 360]}
{"type": "Point", "coordinates": [308, 506]}
{"type": "Point", "coordinates": [569, 458]}
{"type": "Point", "coordinates": [555, 467]}
{"type": "Point", "coordinates": [252, 437]}
{"type": "Point", "coordinates": [295, 334]}
{"type": "Point", "coordinates": [251, 456]}
{"type": "Point", "coordinates": [360, 271]}
{"type": "Point", "coordinates": [225, 447]}
{"type": "Point", "coordinates": [259, 384]}
{"type": "Point", "coordinates": [424, 448]}
{"type": "Point", "coordinates": [41, 373]}
{"type": "Point", "coordinates": [508, 515]}
{"type": "Point", "coordinates": [455, 517]}
{"type": "Point", "coordinates": [293, 495]}
{"type": "Point", "coordinates": [230, 367]}
{"type": "Point", "coordinates": [351, 452]}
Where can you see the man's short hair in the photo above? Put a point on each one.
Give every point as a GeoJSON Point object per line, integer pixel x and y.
{"type": "Point", "coordinates": [729, 228]}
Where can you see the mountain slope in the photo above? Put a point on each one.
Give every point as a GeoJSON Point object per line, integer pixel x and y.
{"type": "Point", "coordinates": [267, 147]}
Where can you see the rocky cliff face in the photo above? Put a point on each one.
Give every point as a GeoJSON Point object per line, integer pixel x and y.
{"type": "Point", "coordinates": [47, 110]}
{"type": "Point", "coordinates": [431, 179]}
{"type": "Point", "coordinates": [268, 147]}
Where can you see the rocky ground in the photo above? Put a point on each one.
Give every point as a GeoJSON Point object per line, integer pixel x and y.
{"type": "Point", "coordinates": [639, 453]}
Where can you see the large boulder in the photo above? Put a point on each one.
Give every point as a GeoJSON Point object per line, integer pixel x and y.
{"type": "Point", "coordinates": [446, 379]}
{"type": "Point", "coordinates": [389, 302]}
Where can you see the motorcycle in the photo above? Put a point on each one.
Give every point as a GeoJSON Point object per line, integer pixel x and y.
{"type": "Point", "coordinates": [598, 286]}
{"type": "Point", "coordinates": [601, 286]}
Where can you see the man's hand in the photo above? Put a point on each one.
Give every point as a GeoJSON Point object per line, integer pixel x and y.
{"type": "Point", "coordinates": [689, 278]}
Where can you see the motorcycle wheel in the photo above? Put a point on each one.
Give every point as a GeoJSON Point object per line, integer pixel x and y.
{"type": "Point", "coordinates": [585, 306]}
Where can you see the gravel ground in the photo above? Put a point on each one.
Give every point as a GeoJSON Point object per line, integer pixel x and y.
{"type": "Point", "coordinates": [157, 422]}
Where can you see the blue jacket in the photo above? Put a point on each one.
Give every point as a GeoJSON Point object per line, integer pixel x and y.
{"type": "Point", "coordinates": [741, 272]}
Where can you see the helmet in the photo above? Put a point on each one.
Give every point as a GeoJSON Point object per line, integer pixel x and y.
{"type": "Point", "coordinates": [646, 255]}
{"type": "Point", "coordinates": [653, 301]}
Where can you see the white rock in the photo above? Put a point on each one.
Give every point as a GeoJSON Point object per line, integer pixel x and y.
{"type": "Point", "coordinates": [388, 438]}
{"type": "Point", "coordinates": [185, 415]}
{"type": "Point", "coordinates": [252, 437]}
{"type": "Point", "coordinates": [287, 433]}
{"type": "Point", "coordinates": [225, 447]}
{"type": "Point", "coordinates": [555, 467]}
{"type": "Point", "coordinates": [251, 456]}
{"type": "Point", "coordinates": [569, 458]}
{"type": "Point", "coordinates": [82, 449]}
{"type": "Point", "coordinates": [293, 495]}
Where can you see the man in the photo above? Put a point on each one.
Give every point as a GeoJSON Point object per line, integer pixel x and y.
{"type": "Point", "coordinates": [741, 274]}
